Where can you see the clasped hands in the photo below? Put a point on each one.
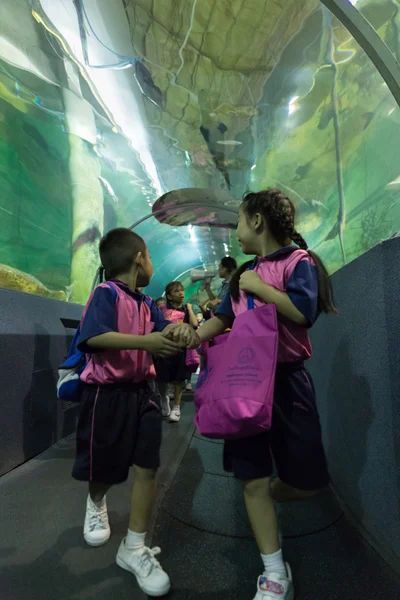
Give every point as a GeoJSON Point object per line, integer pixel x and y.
{"type": "Point", "coordinates": [183, 335]}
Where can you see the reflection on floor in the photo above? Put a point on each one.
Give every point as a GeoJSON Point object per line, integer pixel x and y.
{"type": "Point", "coordinates": [42, 552]}
{"type": "Point", "coordinates": [201, 527]}
{"type": "Point", "coordinates": [209, 551]}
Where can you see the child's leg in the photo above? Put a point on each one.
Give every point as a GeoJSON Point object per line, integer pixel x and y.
{"type": "Point", "coordinates": [97, 491]}
{"type": "Point", "coordinates": [250, 460]}
{"type": "Point", "coordinates": [142, 500]}
{"type": "Point", "coordinates": [261, 511]}
{"type": "Point", "coordinates": [178, 392]}
{"type": "Point", "coordinates": [133, 555]}
{"type": "Point", "coordinates": [162, 388]}
{"type": "Point", "coordinates": [164, 399]}
{"type": "Point", "coordinates": [176, 411]}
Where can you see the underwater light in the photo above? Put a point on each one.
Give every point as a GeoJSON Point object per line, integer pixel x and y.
{"type": "Point", "coordinates": [229, 143]}
{"type": "Point", "coordinates": [192, 234]}
{"type": "Point", "coordinates": [292, 104]}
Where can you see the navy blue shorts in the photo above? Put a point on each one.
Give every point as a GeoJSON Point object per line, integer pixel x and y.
{"type": "Point", "coordinates": [119, 426]}
{"type": "Point", "coordinates": [294, 441]}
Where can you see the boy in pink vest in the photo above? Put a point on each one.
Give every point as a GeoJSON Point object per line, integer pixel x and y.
{"type": "Point", "coordinates": [120, 420]}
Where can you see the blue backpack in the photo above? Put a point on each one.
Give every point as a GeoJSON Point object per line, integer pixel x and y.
{"type": "Point", "coordinates": [69, 385]}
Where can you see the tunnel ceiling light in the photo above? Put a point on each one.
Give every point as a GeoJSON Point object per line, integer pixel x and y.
{"type": "Point", "coordinates": [253, 167]}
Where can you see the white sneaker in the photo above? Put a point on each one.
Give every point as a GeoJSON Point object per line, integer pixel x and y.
{"type": "Point", "coordinates": [151, 577]}
{"type": "Point", "coordinates": [275, 586]}
{"type": "Point", "coordinates": [96, 530]}
{"type": "Point", "coordinates": [189, 387]}
{"type": "Point", "coordinates": [165, 406]}
{"type": "Point", "coordinates": [175, 415]}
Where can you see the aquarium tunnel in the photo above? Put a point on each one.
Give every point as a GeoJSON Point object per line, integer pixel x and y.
{"type": "Point", "coordinates": [159, 116]}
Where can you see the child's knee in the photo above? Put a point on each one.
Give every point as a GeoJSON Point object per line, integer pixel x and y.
{"type": "Point", "coordinates": [257, 487]}
{"type": "Point", "coordinates": [144, 475]}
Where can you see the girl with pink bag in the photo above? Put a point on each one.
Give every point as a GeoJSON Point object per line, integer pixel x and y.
{"type": "Point", "coordinates": [289, 282]}
{"type": "Point", "coordinates": [176, 369]}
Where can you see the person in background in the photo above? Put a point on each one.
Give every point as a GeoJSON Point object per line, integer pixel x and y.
{"type": "Point", "coordinates": [294, 279]}
{"type": "Point", "coordinates": [226, 270]}
{"type": "Point", "coordinates": [120, 422]}
{"type": "Point", "coordinates": [200, 318]}
{"type": "Point", "coordinates": [173, 369]}
{"type": "Point", "coordinates": [160, 301]}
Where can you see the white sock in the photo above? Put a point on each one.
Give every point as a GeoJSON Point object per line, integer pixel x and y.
{"type": "Point", "coordinates": [273, 563]}
{"type": "Point", "coordinates": [135, 541]}
{"type": "Point", "coordinates": [177, 408]}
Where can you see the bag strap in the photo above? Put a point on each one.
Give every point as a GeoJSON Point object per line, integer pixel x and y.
{"type": "Point", "coordinates": [250, 297]}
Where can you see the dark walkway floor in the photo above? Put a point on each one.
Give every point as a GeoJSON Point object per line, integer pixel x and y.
{"type": "Point", "coordinates": [201, 526]}
{"type": "Point", "coordinates": [42, 552]}
{"type": "Point", "coordinates": [209, 551]}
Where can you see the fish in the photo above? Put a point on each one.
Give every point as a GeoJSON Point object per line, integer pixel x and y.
{"type": "Point", "coordinates": [317, 203]}
{"type": "Point", "coordinates": [244, 111]}
{"type": "Point", "coordinates": [147, 86]}
{"type": "Point", "coordinates": [89, 236]}
{"type": "Point", "coordinates": [212, 133]}
{"type": "Point", "coordinates": [302, 171]}
{"type": "Point", "coordinates": [35, 135]}
{"type": "Point", "coordinates": [368, 118]}
{"type": "Point", "coordinates": [13, 279]}
{"type": "Point", "coordinates": [326, 117]}
{"type": "Point", "coordinates": [40, 141]}
{"type": "Point", "coordinates": [108, 188]}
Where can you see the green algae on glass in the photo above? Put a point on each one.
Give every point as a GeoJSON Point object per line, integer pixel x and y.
{"type": "Point", "coordinates": [252, 95]}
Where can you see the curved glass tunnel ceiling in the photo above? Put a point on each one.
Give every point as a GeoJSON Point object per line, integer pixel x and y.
{"type": "Point", "coordinates": [106, 109]}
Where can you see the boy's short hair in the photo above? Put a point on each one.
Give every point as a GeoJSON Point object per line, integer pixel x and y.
{"type": "Point", "coordinates": [118, 249]}
{"type": "Point", "coordinates": [229, 263]}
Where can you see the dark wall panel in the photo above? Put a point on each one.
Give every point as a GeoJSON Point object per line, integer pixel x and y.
{"type": "Point", "coordinates": [356, 368]}
{"type": "Point", "coordinates": [33, 342]}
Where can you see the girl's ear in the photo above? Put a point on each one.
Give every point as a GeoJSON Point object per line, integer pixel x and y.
{"type": "Point", "coordinates": [139, 258]}
{"type": "Point", "coordinates": [257, 221]}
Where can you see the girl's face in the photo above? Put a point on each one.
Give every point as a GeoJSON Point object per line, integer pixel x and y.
{"type": "Point", "coordinates": [177, 295]}
{"type": "Point", "coordinates": [248, 230]}
{"type": "Point", "coordinates": [199, 318]}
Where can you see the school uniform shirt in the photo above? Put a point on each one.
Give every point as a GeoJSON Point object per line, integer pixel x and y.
{"type": "Point", "coordinates": [128, 312]}
{"type": "Point", "coordinates": [293, 271]}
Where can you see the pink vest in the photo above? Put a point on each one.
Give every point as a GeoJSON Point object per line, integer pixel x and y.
{"type": "Point", "coordinates": [123, 366]}
{"type": "Point", "coordinates": [294, 343]}
{"type": "Point", "coordinates": [172, 314]}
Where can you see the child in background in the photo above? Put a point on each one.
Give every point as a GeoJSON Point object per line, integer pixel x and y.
{"type": "Point", "coordinates": [120, 421]}
{"type": "Point", "coordinates": [160, 302]}
{"type": "Point", "coordinates": [295, 280]}
{"type": "Point", "coordinates": [173, 370]}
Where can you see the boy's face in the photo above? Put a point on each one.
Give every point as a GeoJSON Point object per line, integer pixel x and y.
{"type": "Point", "coordinates": [145, 271]}
{"type": "Point", "coordinates": [199, 317]}
{"type": "Point", "coordinates": [222, 272]}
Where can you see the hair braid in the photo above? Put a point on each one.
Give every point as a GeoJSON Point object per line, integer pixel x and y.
{"type": "Point", "coordinates": [279, 213]}
{"type": "Point", "coordinates": [299, 240]}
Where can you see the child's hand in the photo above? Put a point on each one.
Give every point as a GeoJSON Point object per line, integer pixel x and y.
{"type": "Point", "coordinates": [250, 282]}
{"type": "Point", "coordinates": [184, 335]}
{"type": "Point", "coordinates": [159, 345]}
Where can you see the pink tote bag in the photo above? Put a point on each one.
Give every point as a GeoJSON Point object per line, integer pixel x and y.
{"type": "Point", "coordinates": [235, 391]}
